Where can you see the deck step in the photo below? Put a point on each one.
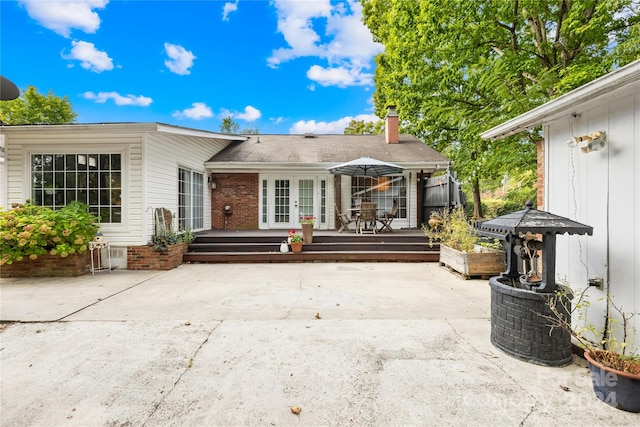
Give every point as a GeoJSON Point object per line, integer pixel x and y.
{"type": "Point", "coordinates": [311, 256]}
{"type": "Point", "coordinates": [264, 246]}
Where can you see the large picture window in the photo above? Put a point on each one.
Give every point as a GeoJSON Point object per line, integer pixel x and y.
{"type": "Point", "coordinates": [383, 191]}
{"type": "Point", "coordinates": [190, 200]}
{"type": "Point", "coordinates": [93, 179]}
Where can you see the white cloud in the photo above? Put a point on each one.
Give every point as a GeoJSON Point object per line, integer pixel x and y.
{"type": "Point", "coordinates": [61, 16]}
{"type": "Point", "coordinates": [180, 59]}
{"type": "Point", "coordinates": [339, 76]}
{"type": "Point", "coordinates": [276, 120]}
{"type": "Point", "coordinates": [228, 8]}
{"type": "Point", "coordinates": [198, 111]}
{"type": "Point", "coordinates": [346, 43]}
{"type": "Point", "coordinates": [334, 127]}
{"type": "Point", "coordinates": [250, 114]}
{"type": "Point", "coordinates": [102, 97]}
{"type": "Point", "coordinates": [90, 58]}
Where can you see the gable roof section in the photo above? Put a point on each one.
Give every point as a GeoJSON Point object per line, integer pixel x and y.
{"type": "Point", "coordinates": [621, 82]}
{"type": "Point", "coordinates": [321, 150]}
{"type": "Point", "coordinates": [122, 127]}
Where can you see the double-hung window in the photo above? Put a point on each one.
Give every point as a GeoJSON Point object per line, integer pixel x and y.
{"type": "Point", "coordinates": [190, 199]}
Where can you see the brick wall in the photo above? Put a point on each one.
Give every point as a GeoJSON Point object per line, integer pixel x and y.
{"type": "Point", "coordinates": [240, 191]}
{"type": "Point", "coordinates": [49, 266]}
{"type": "Point", "coordinates": [540, 170]}
{"type": "Point", "coordinates": [146, 258]}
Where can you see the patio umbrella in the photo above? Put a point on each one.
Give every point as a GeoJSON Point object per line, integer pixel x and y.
{"type": "Point", "coordinates": [8, 90]}
{"type": "Point", "coordinates": [366, 166]}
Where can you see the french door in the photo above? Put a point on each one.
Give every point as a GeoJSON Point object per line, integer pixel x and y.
{"type": "Point", "coordinates": [289, 199]}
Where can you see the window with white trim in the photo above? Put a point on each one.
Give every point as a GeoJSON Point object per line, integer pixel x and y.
{"type": "Point", "coordinates": [383, 190]}
{"type": "Point", "coordinates": [190, 200]}
{"type": "Point", "coordinates": [92, 179]}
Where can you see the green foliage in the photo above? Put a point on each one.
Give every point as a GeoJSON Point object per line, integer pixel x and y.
{"type": "Point", "coordinates": [457, 68]}
{"type": "Point", "coordinates": [28, 231]}
{"type": "Point", "coordinates": [455, 231]}
{"type": "Point", "coordinates": [296, 238]}
{"type": "Point", "coordinates": [360, 127]}
{"type": "Point", "coordinates": [229, 126]}
{"type": "Point", "coordinates": [307, 219]}
{"type": "Point", "coordinates": [33, 108]}
{"type": "Point", "coordinates": [161, 242]}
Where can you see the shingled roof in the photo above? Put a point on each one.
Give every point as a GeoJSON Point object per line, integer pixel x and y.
{"type": "Point", "coordinates": [327, 149]}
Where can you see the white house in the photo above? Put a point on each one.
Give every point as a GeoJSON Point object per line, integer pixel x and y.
{"type": "Point", "coordinates": [593, 183]}
{"type": "Point", "coordinates": [208, 180]}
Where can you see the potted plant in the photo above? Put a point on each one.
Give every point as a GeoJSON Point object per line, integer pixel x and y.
{"type": "Point", "coordinates": [296, 243]}
{"type": "Point", "coordinates": [613, 362]}
{"type": "Point", "coordinates": [461, 249]}
{"type": "Point", "coordinates": [435, 220]}
{"type": "Point", "coordinates": [307, 221]}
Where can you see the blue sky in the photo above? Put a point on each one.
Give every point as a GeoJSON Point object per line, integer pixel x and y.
{"type": "Point", "coordinates": [289, 66]}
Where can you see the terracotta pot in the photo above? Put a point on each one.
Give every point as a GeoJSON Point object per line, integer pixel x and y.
{"type": "Point", "coordinates": [435, 222]}
{"type": "Point", "coordinates": [296, 247]}
{"type": "Point", "coordinates": [616, 388]}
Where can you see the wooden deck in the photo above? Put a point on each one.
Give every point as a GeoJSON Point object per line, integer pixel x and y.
{"type": "Point", "coordinates": [252, 246]}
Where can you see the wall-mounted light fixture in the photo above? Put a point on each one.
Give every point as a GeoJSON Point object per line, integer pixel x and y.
{"type": "Point", "coordinates": [212, 182]}
{"type": "Point", "coordinates": [595, 141]}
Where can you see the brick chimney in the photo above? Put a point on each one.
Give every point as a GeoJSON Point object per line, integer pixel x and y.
{"type": "Point", "coordinates": [391, 132]}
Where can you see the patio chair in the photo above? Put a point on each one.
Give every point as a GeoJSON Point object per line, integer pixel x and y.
{"type": "Point", "coordinates": [345, 220]}
{"type": "Point", "coordinates": [388, 217]}
{"type": "Point", "coordinates": [367, 219]}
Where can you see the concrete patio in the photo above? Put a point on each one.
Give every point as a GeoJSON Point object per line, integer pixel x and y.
{"type": "Point", "coordinates": [362, 344]}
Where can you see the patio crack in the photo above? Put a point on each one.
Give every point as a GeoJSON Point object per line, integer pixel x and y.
{"type": "Point", "coordinates": [157, 405]}
{"type": "Point", "coordinates": [492, 359]}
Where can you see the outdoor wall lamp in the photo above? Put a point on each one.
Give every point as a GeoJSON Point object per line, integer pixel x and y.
{"type": "Point", "coordinates": [212, 183]}
{"type": "Point", "coordinates": [595, 141]}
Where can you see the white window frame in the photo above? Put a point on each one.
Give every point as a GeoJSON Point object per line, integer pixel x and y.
{"type": "Point", "coordinates": [122, 150]}
{"type": "Point", "coordinates": [190, 211]}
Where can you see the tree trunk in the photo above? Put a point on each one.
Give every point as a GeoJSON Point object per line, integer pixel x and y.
{"type": "Point", "coordinates": [477, 204]}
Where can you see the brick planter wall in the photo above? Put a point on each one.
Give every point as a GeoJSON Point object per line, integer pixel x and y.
{"type": "Point", "coordinates": [49, 266]}
{"type": "Point", "coordinates": [518, 329]}
{"type": "Point", "coordinates": [145, 258]}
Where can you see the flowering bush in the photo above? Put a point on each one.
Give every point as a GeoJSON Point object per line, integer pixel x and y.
{"type": "Point", "coordinates": [307, 219]}
{"type": "Point", "coordinates": [27, 231]}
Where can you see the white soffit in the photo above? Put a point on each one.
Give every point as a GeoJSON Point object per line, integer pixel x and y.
{"type": "Point", "coordinates": [623, 81]}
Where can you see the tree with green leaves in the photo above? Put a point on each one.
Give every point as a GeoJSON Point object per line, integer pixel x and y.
{"type": "Point", "coordinates": [229, 125]}
{"type": "Point", "coordinates": [360, 127]}
{"type": "Point", "coordinates": [457, 68]}
{"type": "Point", "coordinates": [34, 108]}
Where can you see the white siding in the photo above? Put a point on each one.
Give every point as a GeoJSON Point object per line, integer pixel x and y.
{"type": "Point", "coordinates": [164, 155]}
{"type": "Point", "coordinates": [150, 161]}
{"type": "Point", "coordinates": [601, 189]}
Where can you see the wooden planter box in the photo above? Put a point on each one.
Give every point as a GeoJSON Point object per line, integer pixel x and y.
{"type": "Point", "coordinates": [484, 262]}
{"type": "Point", "coordinates": [49, 266]}
{"type": "Point", "coordinates": [146, 258]}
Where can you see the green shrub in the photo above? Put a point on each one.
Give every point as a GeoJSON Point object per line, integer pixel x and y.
{"type": "Point", "coordinates": [455, 231]}
{"type": "Point", "coordinates": [27, 231]}
{"type": "Point", "coordinates": [161, 242]}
